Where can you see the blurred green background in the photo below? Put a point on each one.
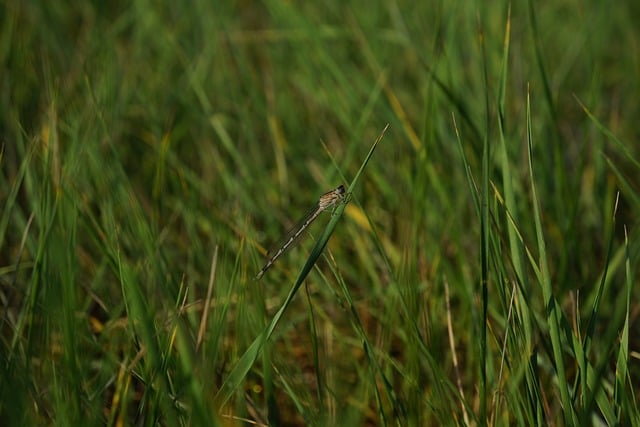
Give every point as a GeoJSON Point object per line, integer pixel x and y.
{"type": "Point", "coordinates": [483, 272]}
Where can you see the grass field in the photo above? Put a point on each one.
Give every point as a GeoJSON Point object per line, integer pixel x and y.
{"type": "Point", "coordinates": [483, 272]}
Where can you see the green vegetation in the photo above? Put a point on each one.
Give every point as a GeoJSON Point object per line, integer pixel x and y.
{"type": "Point", "coordinates": [483, 272]}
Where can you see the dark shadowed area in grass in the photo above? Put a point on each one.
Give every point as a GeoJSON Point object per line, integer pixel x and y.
{"type": "Point", "coordinates": [483, 272]}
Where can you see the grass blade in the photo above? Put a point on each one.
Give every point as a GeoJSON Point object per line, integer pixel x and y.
{"type": "Point", "coordinates": [246, 361]}
{"type": "Point", "coordinates": [552, 307]}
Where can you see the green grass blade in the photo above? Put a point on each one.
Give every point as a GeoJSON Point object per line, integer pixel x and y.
{"type": "Point", "coordinates": [624, 396]}
{"type": "Point", "coordinates": [551, 305]}
{"type": "Point", "coordinates": [623, 147]}
{"type": "Point", "coordinates": [524, 341]}
{"type": "Point", "coordinates": [590, 330]}
{"type": "Point", "coordinates": [376, 370]}
{"type": "Point", "coordinates": [246, 361]}
{"type": "Point", "coordinates": [467, 169]}
{"type": "Point", "coordinates": [485, 234]}
{"type": "Point", "coordinates": [627, 187]}
{"type": "Point", "coordinates": [533, 22]}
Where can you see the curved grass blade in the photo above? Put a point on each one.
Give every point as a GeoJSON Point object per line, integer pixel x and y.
{"type": "Point", "coordinates": [246, 361]}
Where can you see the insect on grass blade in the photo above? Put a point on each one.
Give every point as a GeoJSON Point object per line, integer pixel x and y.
{"type": "Point", "coordinates": [327, 200]}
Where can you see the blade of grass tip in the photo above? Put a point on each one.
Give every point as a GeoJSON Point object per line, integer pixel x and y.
{"type": "Point", "coordinates": [366, 159]}
{"type": "Point", "coordinates": [467, 168]}
{"type": "Point", "coordinates": [246, 361]}
{"type": "Point", "coordinates": [376, 238]}
{"type": "Point", "coordinates": [324, 238]}
{"type": "Point", "coordinates": [553, 317]}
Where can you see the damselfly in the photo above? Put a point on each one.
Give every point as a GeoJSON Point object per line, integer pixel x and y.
{"type": "Point", "coordinates": [326, 201]}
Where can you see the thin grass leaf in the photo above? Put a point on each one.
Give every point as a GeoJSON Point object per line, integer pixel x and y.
{"type": "Point", "coordinates": [624, 395]}
{"type": "Point", "coordinates": [548, 97]}
{"type": "Point", "coordinates": [591, 325]}
{"type": "Point", "coordinates": [141, 323]}
{"type": "Point", "coordinates": [376, 369]}
{"type": "Point", "coordinates": [629, 191]}
{"type": "Point", "coordinates": [241, 369]}
{"type": "Point", "coordinates": [320, 390]}
{"type": "Point", "coordinates": [623, 147]}
{"type": "Point", "coordinates": [524, 340]}
{"type": "Point", "coordinates": [552, 307]}
{"type": "Point", "coordinates": [485, 234]}
{"type": "Point", "coordinates": [467, 169]}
